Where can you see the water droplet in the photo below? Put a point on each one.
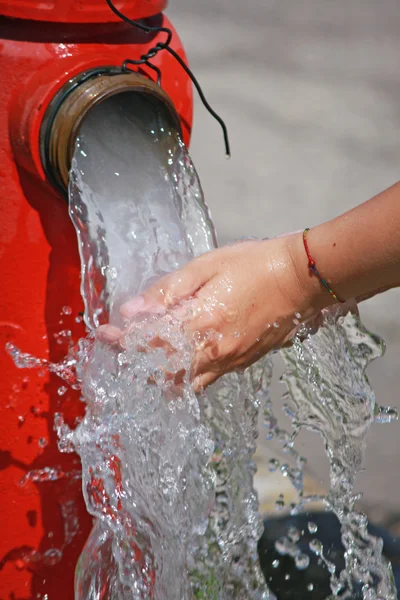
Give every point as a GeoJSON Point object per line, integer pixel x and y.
{"type": "Point", "coordinates": [41, 476]}
{"type": "Point", "coordinates": [281, 546]}
{"type": "Point", "coordinates": [312, 527]}
{"type": "Point", "coordinates": [310, 587]}
{"type": "Point", "coordinates": [52, 556]}
{"type": "Point", "coordinates": [301, 561]}
{"type": "Point", "coordinates": [61, 390]}
{"type": "Point", "coordinates": [66, 310]}
{"type": "Point", "coordinates": [279, 504]}
{"type": "Point", "coordinates": [275, 564]}
{"type": "Point", "coordinates": [294, 534]}
{"type": "Point", "coordinates": [65, 333]}
{"type": "Point", "coordinates": [385, 414]}
{"type": "Point", "coordinates": [301, 462]}
{"type": "Point", "coordinates": [297, 315]}
{"type": "Point", "coordinates": [284, 438]}
{"type": "Point", "coordinates": [42, 442]}
{"type": "Point", "coordinates": [316, 547]}
{"type": "Point", "coordinates": [276, 325]}
{"type": "Point", "coordinates": [273, 464]}
{"type": "Point", "coordinates": [287, 577]}
{"type": "Point", "coordinates": [23, 360]}
{"type": "Point", "coordinates": [270, 423]}
{"type": "Point", "coordinates": [285, 470]}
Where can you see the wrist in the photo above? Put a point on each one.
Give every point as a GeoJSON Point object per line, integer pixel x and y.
{"type": "Point", "coordinates": [312, 295]}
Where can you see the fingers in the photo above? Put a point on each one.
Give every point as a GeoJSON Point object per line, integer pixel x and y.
{"type": "Point", "coordinates": [138, 304]}
{"type": "Point", "coordinates": [171, 289]}
{"type": "Point", "coordinates": [109, 334]}
{"type": "Point", "coordinates": [114, 336]}
{"type": "Point", "coordinates": [201, 382]}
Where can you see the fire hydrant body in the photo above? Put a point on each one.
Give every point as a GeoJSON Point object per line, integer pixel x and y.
{"type": "Point", "coordinates": [44, 520]}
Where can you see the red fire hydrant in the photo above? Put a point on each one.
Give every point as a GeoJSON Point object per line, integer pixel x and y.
{"type": "Point", "coordinates": [47, 49]}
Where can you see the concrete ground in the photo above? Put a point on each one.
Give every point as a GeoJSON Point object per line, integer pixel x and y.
{"type": "Point", "coordinates": [310, 91]}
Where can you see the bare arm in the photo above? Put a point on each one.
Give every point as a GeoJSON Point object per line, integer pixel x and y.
{"type": "Point", "coordinates": [358, 252]}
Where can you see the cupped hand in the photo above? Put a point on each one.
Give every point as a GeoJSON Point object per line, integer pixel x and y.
{"type": "Point", "coordinates": [237, 303]}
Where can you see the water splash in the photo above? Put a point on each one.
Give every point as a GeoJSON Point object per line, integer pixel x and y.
{"type": "Point", "coordinates": [329, 393]}
{"type": "Point", "coordinates": [168, 476]}
{"type": "Point", "coordinates": [47, 474]}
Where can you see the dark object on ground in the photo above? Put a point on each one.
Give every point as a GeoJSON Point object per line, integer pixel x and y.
{"type": "Point", "coordinates": [289, 583]}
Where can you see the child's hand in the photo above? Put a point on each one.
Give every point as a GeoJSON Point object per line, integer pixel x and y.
{"type": "Point", "coordinates": [238, 302]}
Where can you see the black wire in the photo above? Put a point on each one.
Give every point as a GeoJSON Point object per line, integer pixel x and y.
{"type": "Point", "coordinates": [203, 98]}
{"type": "Point", "coordinates": [128, 61]}
{"type": "Point", "coordinates": [145, 59]}
{"type": "Point", "coordinates": [140, 25]}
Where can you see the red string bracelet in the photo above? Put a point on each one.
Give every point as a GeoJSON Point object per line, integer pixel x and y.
{"type": "Point", "coordinates": [313, 268]}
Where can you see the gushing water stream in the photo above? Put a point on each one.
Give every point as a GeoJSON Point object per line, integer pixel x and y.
{"type": "Point", "coordinates": [167, 475]}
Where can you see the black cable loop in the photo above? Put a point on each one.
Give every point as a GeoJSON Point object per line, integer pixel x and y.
{"type": "Point", "coordinates": [152, 52]}
{"type": "Point", "coordinates": [141, 61]}
{"type": "Point", "coordinates": [156, 69]}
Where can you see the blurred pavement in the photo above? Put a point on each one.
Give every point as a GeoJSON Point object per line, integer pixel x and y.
{"type": "Point", "coordinates": [310, 91]}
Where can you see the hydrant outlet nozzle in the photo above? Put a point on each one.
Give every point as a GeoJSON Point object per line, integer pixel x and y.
{"type": "Point", "coordinates": [65, 114]}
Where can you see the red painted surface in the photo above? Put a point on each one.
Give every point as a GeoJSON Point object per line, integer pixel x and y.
{"type": "Point", "coordinates": [44, 525]}
{"type": "Point", "coordinates": [78, 11]}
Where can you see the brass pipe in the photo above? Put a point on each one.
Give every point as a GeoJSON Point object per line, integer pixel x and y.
{"type": "Point", "coordinates": [65, 114]}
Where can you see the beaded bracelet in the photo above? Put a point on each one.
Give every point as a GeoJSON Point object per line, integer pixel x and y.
{"type": "Point", "coordinates": [313, 268]}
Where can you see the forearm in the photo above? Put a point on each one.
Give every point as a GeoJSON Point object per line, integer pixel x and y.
{"type": "Point", "coordinates": [357, 253]}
